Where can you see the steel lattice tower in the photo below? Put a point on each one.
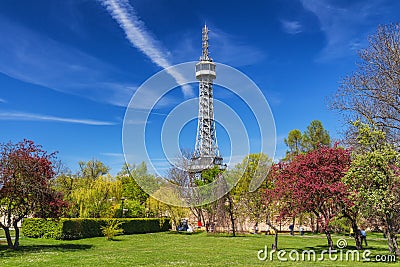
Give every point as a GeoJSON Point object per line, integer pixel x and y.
{"type": "Point", "coordinates": [206, 154]}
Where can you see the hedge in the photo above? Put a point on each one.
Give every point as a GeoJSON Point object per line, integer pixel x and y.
{"type": "Point", "coordinates": [89, 227]}
{"type": "Point", "coordinates": [47, 228]}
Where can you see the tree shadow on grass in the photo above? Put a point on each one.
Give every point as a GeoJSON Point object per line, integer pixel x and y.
{"type": "Point", "coordinates": [115, 240]}
{"type": "Point", "coordinates": [348, 253]}
{"type": "Point", "coordinates": [6, 252]}
{"type": "Point", "coordinates": [210, 234]}
{"type": "Point", "coordinates": [324, 248]}
{"type": "Point", "coordinates": [229, 236]}
{"type": "Point", "coordinates": [318, 248]}
{"type": "Point", "coordinates": [174, 232]}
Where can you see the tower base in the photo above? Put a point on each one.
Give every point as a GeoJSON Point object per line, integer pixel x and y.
{"type": "Point", "coordinates": [199, 164]}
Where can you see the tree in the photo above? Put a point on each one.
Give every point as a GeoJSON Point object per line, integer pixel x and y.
{"type": "Point", "coordinates": [25, 172]}
{"type": "Point", "coordinates": [278, 202]}
{"type": "Point", "coordinates": [175, 213]}
{"type": "Point", "coordinates": [297, 142]}
{"type": "Point", "coordinates": [315, 136]}
{"type": "Point", "coordinates": [243, 202]}
{"type": "Point", "coordinates": [96, 198]}
{"type": "Point", "coordinates": [66, 183]}
{"type": "Point", "coordinates": [312, 183]}
{"type": "Point", "coordinates": [215, 211]}
{"type": "Point", "coordinates": [294, 142]}
{"type": "Point", "coordinates": [351, 212]}
{"type": "Point", "coordinates": [129, 175]}
{"type": "Point", "coordinates": [93, 169]}
{"type": "Point", "coordinates": [251, 204]}
{"type": "Point", "coordinates": [273, 204]}
{"type": "Point", "coordinates": [371, 94]}
{"type": "Point", "coordinates": [374, 176]}
{"type": "Point", "coordinates": [93, 191]}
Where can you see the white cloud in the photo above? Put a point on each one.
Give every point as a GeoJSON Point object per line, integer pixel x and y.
{"type": "Point", "coordinates": [230, 49]}
{"type": "Point", "coordinates": [112, 154]}
{"type": "Point", "coordinates": [33, 58]}
{"type": "Point", "coordinates": [139, 37]}
{"type": "Point", "coordinates": [344, 23]}
{"type": "Point", "coordinates": [2, 100]}
{"type": "Point", "coordinates": [291, 27]}
{"type": "Point", "coordinates": [40, 117]}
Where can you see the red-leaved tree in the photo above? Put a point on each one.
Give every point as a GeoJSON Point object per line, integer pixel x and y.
{"type": "Point", "coordinates": [25, 172]}
{"type": "Point", "coordinates": [312, 183]}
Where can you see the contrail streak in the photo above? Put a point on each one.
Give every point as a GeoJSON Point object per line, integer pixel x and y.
{"type": "Point", "coordinates": [137, 34]}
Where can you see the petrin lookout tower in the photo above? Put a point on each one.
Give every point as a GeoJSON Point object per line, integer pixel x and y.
{"type": "Point", "coordinates": [206, 154]}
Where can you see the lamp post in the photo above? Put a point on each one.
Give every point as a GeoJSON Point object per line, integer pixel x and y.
{"type": "Point", "coordinates": [122, 206]}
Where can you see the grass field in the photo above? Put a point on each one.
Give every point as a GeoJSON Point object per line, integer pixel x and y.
{"type": "Point", "coordinates": [173, 249]}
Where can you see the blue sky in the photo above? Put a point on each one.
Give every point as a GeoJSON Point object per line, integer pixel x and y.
{"type": "Point", "coordinates": [68, 69]}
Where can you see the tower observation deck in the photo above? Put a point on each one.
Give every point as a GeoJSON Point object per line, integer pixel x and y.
{"type": "Point", "coordinates": [206, 154]}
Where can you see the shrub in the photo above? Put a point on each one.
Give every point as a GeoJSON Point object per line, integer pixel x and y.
{"type": "Point", "coordinates": [112, 229]}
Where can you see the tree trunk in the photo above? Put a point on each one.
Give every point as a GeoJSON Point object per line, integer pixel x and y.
{"type": "Point", "coordinates": [202, 219]}
{"type": "Point", "coordinates": [275, 246]}
{"type": "Point", "coordinates": [268, 222]}
{"type": "Point", "coordinates": [16, 240]}
{"type": "Point", "coordinates": [392, 236]}
{"type": "Point", "coordinates": [293, 223]}
{"type": "Point", "coordinates": [329, 237]}
{"type": "Point", "coordinates": [392, 242]}
{"type": "Point", "coordinates": [7, 232]}
{"type": "Point", "coordinates": [357, 235]}
{"type": "Point", "coordinates": [8, 237]}
{"type": "Point", "coordinates": [312, 223]}
{"type": "Point", "coordinates": [230, 208]}
{"type": "Point", "coordinates": [197, 213]}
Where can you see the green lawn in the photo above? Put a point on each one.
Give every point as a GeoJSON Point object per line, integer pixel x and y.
{"type": "Point", "coordinates": [172, 249]}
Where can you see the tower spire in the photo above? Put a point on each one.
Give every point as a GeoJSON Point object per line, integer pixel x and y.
{"type": "Point", "coordinates": [205, 53]}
